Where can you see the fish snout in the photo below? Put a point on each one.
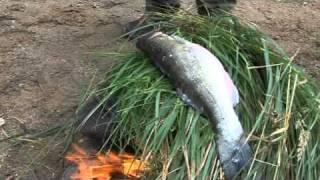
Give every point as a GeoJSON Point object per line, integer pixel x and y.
{"type": "Point", "coordinates": [240, 159]}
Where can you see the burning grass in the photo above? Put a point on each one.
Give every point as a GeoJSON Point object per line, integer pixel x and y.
{"type": "Point", "coordinates": [106, 166]}
{"type": "Point", "coordinates": [279, 106]}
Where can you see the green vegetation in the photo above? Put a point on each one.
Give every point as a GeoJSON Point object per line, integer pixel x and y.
{"type": "Point", "coordinates": [279, 106]}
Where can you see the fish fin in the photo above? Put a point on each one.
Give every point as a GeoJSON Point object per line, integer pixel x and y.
{"type": "Point", "coordinates": [184, 97]}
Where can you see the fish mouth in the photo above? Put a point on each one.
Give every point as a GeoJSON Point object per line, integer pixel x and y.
{"type": "Point", "coordinates": [241, 156]}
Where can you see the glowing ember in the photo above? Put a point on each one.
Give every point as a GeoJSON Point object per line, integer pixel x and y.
{"type": "Point", "coordinates": [105, 166]}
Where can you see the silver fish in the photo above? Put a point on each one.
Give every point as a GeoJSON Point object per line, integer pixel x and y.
{"type": "Point", "coordinates": [201, 81]}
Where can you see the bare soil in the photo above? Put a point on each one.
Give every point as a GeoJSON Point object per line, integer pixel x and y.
{"type": "Point", "coordinates": [46, 64]}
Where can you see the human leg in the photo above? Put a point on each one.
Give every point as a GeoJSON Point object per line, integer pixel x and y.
{"type": "Point", "coordinates": [206, 7]}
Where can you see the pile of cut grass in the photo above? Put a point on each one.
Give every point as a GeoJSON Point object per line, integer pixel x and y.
{"type": "Point", "coordinates": [279, 106]}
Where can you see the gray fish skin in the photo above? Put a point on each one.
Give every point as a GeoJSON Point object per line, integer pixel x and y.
{"type": "Point", "coordinates": [200, 81]}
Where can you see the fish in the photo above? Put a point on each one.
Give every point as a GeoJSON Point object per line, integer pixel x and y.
{"type": "Point", "coordinates": [201, 81]}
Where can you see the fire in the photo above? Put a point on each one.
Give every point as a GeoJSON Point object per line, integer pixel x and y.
{"type": "Point", "coordinates": [105, 166]}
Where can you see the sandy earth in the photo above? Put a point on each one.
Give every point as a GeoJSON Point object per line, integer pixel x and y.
{"type": "Point", "coordinates": [46, 64]}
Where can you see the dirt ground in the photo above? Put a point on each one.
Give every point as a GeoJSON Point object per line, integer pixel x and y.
{"type": "Point", "coordinates": [46, 64]}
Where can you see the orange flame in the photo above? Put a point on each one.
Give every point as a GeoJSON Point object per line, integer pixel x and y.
{"type": "Point", "coordinates": [105, 166]}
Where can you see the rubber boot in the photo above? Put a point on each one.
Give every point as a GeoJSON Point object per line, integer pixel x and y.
{"type": "Point", "coordinates": [214, 7]}
{"type": "Point", "coordinates": [140, 26]}
{"type": "Point", "coordinates": [162, 6]}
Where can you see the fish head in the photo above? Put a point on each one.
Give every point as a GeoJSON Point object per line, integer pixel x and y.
{"type": "Point", "coordinates": [240, 157]}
